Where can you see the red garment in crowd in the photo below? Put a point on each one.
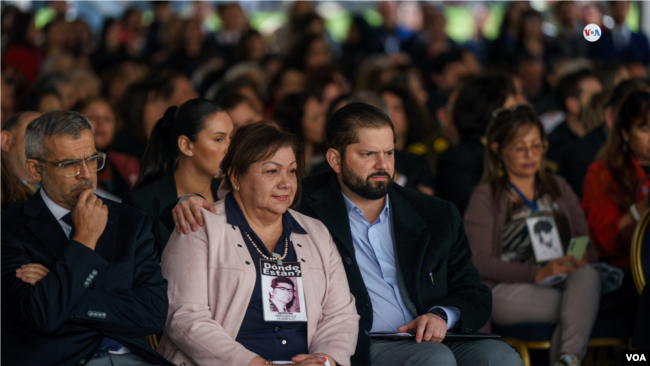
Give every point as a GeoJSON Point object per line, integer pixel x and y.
{"type": "Point", "coordinates": [27, 59]}
{"type": "Point", "coordinates": [127, 166]}
{"type": "Point", "coordinates": [603, 214]}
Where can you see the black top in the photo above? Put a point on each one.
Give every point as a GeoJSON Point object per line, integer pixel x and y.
{"type": "Point", "coordinates": [278, 341]}
{"type": "Point", "coordinates": [558, 140]}
{"type": "Point", "coordinates": [428, 234]}
{"type": "Point", "coordinates": [578, 155]}
{"type": "Point", "coordinates": [157, 199]}
{"type": "Point", "coordinates": [459, 171]}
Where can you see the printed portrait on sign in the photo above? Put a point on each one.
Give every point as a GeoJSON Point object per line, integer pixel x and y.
{"type": "Point", "coordinates": [283, 296]}
{"type": "Point", "coordinates": [544, 238]}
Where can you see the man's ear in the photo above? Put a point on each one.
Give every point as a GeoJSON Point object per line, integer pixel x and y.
{"type": "Point", "coordinates": [572, 105]}
{"type": "Point", "coordinates": [6, 139]}
{"type": "Point", "coordinates": [35, 169]}
{"type": "Point", "coordinates": [334, 160]}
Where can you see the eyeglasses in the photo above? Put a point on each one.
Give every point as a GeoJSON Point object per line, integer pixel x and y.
{"type": "Point", "coordinates": [286, 290]}
{"type": "Point", "coordinates": [536, 149]}
{"type": "Point", "coordinates": [72, 168]}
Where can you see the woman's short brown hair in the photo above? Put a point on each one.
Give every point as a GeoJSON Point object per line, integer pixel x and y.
{"type": "Point", "coordinates": [257, 142]}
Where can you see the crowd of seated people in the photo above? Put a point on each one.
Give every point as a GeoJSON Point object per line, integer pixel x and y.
{"type": "Point", "coordinates": [257, 198]}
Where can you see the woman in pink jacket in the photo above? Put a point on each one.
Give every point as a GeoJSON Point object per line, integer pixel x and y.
{"type": "Point", "coordinates": [258, 282]}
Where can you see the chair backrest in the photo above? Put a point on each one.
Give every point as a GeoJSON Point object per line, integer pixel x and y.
{"type": "Point", "coordinates": [640, 252]}
{"type": "Point", "coordinates": [152, 341]}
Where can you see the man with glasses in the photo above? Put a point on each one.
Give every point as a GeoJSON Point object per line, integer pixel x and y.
{"type": "Point", "coordinates": [282, 295]}
{"type": "Point", "coordinates": [81, 283]}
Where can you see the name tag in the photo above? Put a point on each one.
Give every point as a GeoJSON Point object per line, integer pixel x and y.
{"type": "Point", "coordinates": [282, 292]}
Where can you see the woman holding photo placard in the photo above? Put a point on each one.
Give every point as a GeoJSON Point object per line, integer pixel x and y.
{"type": "Point", "coordinates": [258, 282]}
{"type": "Point", "coordinates": [519, 223]}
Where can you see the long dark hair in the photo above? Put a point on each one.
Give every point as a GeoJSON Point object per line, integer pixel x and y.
{"type": "Point", "coordinates": [616, 154]}
{"type": "Point", "coordinates": [161, 154]}
{"type": "Point", "coordinates": [503, 128]}
{"type": "Point", "coordinates": [419, 125]}
{"type": "Point", "coordinates": [476, 100]}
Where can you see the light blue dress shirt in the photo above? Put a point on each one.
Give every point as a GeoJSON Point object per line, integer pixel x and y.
{"type": "Point", "coordinates": [373, 247]}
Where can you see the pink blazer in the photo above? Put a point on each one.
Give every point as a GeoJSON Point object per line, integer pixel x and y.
{"type": "Point", "coordinates": [211, 278]}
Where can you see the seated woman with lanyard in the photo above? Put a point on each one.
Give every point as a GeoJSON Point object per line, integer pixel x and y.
{"type": "Point", "coordinates": [258, 282]}
{"type": "Point", "coordinates": [519, 222]}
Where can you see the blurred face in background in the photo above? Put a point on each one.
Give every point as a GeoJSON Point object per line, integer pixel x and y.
{"type": "Point", "coordinates": [522, 157]}
{"type": "Point", "coordinates": [183, 91]}
{"type": "Point", "coordinates": [639, 140]}
{"type": "Point", "coordinates": [619, 11]}
{"type": "Point", "coordinates": [154, 110]}
{"type": "Point", "coordinates": [313, 122]}
{"type": "Point", "coordinates": [317, 55]}
{"type": "Point", "coordinates": [588, 88]}
{"type": "Point", "coordinates": [243, 114]}
{"type": "Point", "coordinates": [396, 112]}
{"type": "Point", "coordinates": [49, 102]}
{"type": "Point", "coordinates": [101, 116]}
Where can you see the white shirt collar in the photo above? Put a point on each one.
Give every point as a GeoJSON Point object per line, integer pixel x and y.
{"type": "Point", "coordinates": [56, 210]}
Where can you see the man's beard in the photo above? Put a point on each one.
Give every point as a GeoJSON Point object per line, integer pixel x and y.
{"type": "Point", "coordinates": [366, 189]}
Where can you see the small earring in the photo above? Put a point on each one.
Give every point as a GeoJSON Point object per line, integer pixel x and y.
{"type": "Point", "coordinates": [500, 171]}
{"type": "Point", "coordinates": [235, 187]}
{"type": "Point", "coordinates": [190, 153]}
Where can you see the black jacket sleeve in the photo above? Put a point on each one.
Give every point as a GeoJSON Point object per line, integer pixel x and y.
{"type": "Point", "coordinates": [137, 312]}
{"type": "Point", "coordinates": [45, 306]}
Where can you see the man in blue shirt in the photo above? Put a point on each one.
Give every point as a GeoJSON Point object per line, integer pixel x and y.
{"type": "Point", "coordinates": [406, 256]}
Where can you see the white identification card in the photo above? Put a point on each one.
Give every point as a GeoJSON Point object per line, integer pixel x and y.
{"type": "Point", "coordinates": [282, 292]}
{"type": "Point", "coordinates": [544, 238]}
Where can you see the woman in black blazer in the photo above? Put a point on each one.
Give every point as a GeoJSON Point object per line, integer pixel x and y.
{"type": "Point", "coordinates": [183, 156]}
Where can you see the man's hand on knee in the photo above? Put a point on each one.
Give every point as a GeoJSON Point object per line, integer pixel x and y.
{"type": "Point", "coordinates": [427, 327]}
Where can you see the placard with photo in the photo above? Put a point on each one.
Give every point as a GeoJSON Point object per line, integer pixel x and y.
{"type": "Point", "coordinates": [544, 238]}
{"type": "Point", "coordinates": [282, 291]}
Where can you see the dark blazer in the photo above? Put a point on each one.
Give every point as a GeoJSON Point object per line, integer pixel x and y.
{"type": "Point", "coordinates": [459, 170]}
{"type": "Point", "coordinates": [577, 157]}
{"type": "Point", "coordinates": [157, 199]}
{"type": "Point", "coordinates": [52, 323]}
{"type": "Point", "coordinates": [637, 50]}
{"type": "Point", "coordinates": [429, 234]}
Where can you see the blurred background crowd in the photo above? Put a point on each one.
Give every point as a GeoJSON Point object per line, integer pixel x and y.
{"type": "Point", "coordinates": [438, 69]}
{"type": "Point", "coordinates": [123, 64]}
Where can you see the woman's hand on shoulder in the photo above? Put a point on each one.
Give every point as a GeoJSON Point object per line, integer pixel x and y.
{"type": "Point", "coordinates": [187, 213]}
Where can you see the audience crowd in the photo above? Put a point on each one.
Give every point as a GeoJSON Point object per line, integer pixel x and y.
{"type": "Point", "coordinates": [413, 183]}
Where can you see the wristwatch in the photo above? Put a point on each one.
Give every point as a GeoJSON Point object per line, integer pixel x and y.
{"type": "Point", "coordinates": [439, 312]}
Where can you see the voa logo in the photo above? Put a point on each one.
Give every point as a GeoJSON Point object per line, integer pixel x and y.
{"type": "Point", "coordinates": [635, 357]}
{"type": "Point", "coordinates": [592, 33]}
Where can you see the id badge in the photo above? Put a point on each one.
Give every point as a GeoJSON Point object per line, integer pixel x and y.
{"type": "Point", "coordinates": [544, 238]}
{"type": "Point", "coordinates": [282, 292]}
